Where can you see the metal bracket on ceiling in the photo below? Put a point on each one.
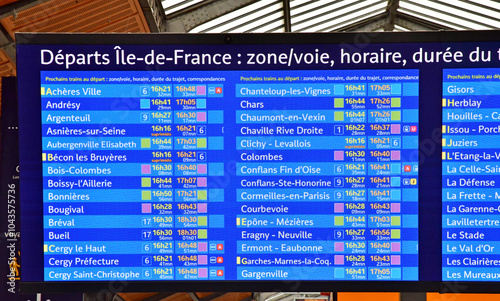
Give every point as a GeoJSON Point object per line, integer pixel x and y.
{"type": "Point", "coordinates": [193, 296]}
{"type": "Point", "coordinates": [8, 45]}
{"type": "Point", "coordinates": [369, 24]}
{"type": "Point", "coordinates": [154, 14]}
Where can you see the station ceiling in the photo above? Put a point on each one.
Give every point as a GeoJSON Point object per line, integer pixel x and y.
{"type": "Point", "coordinates": [235, 16]}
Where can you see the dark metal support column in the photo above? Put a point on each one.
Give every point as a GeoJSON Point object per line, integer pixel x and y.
{"type": "Point", "coordinates": [287, 18]}
{"type": "Point", "coordinates": [392, 10]}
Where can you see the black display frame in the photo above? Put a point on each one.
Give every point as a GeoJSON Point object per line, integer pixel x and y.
{"type": "Point", "coordinates": [360, 40]}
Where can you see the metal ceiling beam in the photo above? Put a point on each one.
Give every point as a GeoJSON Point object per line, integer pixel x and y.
{"type": "Point", "coordinates": [412, 17]}
{"type": "Point", "coordinates": [346, 23]}
{"type": "Point", "coordinates": [369, 24]}
{"type": "Point", "coordinates": [16, 7]}
{"type": "Point", "coordinates": [155, 15]}
{"type": "Point", "coordinates": [412, 26]}
{"type": "Point", "coordinates": [287, 18]}
{"type": "Point", "coordinates": [211, 296]}
{"type": "Point", "coordinates": [392, 10]}
{"type": "Point", "coordinates": [157, 297]}
{"type": "Point", "coordinates": [417, 24]}
{"type": "Point", "coordinates": [190, 17]}
{"type": "Point", "coordinates": [8, 45]}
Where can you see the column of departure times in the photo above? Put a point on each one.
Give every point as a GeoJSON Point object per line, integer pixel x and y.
{"type": "Point", "coordinates": [471, 174]}
{"type": "Point", "coordinates": [328, 174]}
{"type": "Point", "coordinates": [392, 180]}
{"type": "Point", "coordinates": [127, 175]}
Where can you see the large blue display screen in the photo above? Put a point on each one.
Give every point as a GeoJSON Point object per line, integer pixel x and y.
{"type": "Point", "coordinates": [324, 169]}
{"type": "Point", "coordinates": [259, 162]}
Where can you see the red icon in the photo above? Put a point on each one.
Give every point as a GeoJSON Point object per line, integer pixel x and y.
{"type": "Point", "coordinates": [220, 247]}
{"type": "Point", "coordinates": [220, 259]}
{"type": "Point", "coordinates": [220, 273]}
{"type": "Point", "coordinates": [413, 128]}
{"type": "Point", "coordinates": [407, 168]}
{"type": "Point", "coordinates": [218, 90]}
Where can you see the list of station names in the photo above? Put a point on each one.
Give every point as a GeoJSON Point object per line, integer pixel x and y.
{"type": "Point", "coordinates": [232, 175]}
{"type": "Point", "coordinates": [127, 164]}
{"type": "Point", "coordinates": [471, 169]}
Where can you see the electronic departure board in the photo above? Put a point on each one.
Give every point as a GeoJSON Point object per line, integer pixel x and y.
{"type": "Point", "coordinates": [259, 162]}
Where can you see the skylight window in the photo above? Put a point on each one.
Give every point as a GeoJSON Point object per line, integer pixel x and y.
{"type": "Point", "coordinates": [328, 15]}
{"type": "Point", "coordinates": [172, 6]}
{"type": "Point", "coordinates": [262, 16]}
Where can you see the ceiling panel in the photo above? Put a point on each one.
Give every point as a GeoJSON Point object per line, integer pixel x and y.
{"type": "Point", "coordinates": [262, 16]}
{"type": "Point", "coordinates": [328, 15]}
{"type": "Point", "coordinates": [78, 16]}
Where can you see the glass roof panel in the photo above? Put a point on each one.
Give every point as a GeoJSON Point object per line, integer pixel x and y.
{"type": "Point", "coordinates": [439, 13]}
{"type": "Point", "coordinates": [172, 6]}
{"type": "Point", "coordinates": [342, 22]}
{"type": "Point", "coordinates": [338, 18]}
{"type": "Point", "coordinates": [485, 7]}
{"type": "Point", "coordinates": [400, 28]}
{"type": "Point", "coordinates": [348, 22]}
{"type": "Point", "coordinates": [265, 23]}
{"type": "Point", "coordinates": [439, 21]}
{"type": "Point", "coordinates": [300, 11]}
{"type": "Point", "coordinates": [262, 16]}
{"type": "Point", "coordinates": [271, 27]}
{"type": "Point", "coordinates": [489, 4]}
{"type": "Point", "coordinates": [478, 13]}
{"type": "Point", "coordinates": [301, 6]}
{"type": "Point", "coordinates": [330, 15]}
